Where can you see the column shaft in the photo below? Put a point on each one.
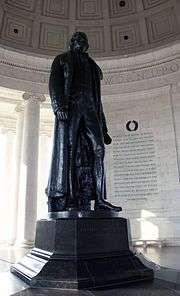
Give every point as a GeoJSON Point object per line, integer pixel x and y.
{"type": "Point", "coordinates": [16, 174]}
{"type": "Point", "coordinates": [29, 168]}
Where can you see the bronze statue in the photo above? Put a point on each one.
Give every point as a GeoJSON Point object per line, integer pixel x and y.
{"type": "Point", "coordinates": [77, 170]}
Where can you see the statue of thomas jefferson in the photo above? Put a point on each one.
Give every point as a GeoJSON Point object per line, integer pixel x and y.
{"type": "Point", "coordinates": [77, 169]}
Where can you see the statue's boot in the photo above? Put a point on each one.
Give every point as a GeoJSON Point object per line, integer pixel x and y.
{"type": "Point", "coordinates": [105, 205]}
{"type": "Point", "coordinates": [100, 202]}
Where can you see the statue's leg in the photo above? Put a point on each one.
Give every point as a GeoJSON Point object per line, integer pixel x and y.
{"type": "Point", "coordinates": [57, 183]}
{"type": "Point", "coordinates": [73, 140]}
{"type": "Point", "coordinates": [95, 137]}
{"type": "Point", "coordinates": [94, 133]}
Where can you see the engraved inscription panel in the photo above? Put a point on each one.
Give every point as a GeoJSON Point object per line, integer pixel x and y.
{"type": "Point", "coordinates": [143, 168]}
{"type": "Point", "coordinates": [99, 234]}
{"type": "Point", "coordinates": [135, 171]}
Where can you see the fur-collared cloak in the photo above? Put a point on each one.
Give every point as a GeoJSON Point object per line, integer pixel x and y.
{"type": "Point", "coordinates": [60, 85]}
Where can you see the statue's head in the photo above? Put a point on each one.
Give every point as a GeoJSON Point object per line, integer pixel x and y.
{"type": "Point", "coordinates": [79, 42]}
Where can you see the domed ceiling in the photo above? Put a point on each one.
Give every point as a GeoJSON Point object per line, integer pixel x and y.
{"type": "Point", "coordinates": [114, 27]}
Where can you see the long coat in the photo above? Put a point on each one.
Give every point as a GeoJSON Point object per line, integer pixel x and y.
{"type": "Point", "coordinates": [60, 84]}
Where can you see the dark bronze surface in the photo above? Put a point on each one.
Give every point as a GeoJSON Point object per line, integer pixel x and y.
{"type": "Point", "coordinates": [83, 214]}
{"type": "Point", "coordinates": [81, 253]}
{"type": "Point", "coordinates": [77, 170]}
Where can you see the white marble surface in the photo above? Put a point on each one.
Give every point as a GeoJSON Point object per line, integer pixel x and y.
{"type": "Point", "coordinates": [167, 257]}
{"type": "Point", "coordinates": [154, 215]}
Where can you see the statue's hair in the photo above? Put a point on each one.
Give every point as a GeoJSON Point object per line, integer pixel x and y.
{"type": "Point", "coordinates": [75, 36]}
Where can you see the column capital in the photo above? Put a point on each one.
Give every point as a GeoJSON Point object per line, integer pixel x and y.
{"type": "Point", "coordinates": [34, 97]}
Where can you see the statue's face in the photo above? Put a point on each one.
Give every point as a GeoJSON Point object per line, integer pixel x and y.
{"type": "Point", "coordinates": [80, 43]}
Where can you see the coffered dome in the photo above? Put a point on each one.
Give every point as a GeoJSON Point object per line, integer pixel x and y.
{"type": "Point", "coordinates": [114, 27]}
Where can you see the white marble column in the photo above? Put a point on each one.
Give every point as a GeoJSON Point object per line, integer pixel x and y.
{"type": "Point", "coordinates": [29, 169]}
{"type": "Point", "coordinates": [16, 175]}
{"type": "Point", "coordinates": [6, 182]}
{"type": "Point", "coordinates": [45, 148]}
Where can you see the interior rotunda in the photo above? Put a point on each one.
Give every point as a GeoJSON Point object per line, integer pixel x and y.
{"type": "Point", "coordinates": [137, 45]}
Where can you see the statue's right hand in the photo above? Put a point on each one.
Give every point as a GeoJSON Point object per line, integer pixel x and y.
{"type": "Point", "coordinates": [61, 115]}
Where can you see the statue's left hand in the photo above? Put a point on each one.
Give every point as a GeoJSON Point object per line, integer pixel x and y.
{"type": "Point", "coordinates": [62, 115]}
{"type": "Point", "coordinates": [107, 139]}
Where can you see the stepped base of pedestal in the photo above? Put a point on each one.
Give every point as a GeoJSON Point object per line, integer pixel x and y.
{"type": "Point", "coordinates": [81, 253]}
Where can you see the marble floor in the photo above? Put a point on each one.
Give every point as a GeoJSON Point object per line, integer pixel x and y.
{"type": "Point", "coordinates": [156, 289]}
{"type": "Point", "coordinates": [9, 255]}
{"type": "Point", "coordinates": [13, 286]}
{"type": "Point", "coordinates": [166, 256]}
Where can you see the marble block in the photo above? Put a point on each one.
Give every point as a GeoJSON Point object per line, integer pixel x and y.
{"type": "Point", "coordinates": [81, 253]}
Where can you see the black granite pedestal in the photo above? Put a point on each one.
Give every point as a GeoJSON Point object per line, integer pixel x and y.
{"type": "Point", "coordinates": [81, 253]}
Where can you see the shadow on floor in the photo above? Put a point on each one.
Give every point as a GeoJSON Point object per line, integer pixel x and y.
{"type": "Point", "coordinates": [157, 288]}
